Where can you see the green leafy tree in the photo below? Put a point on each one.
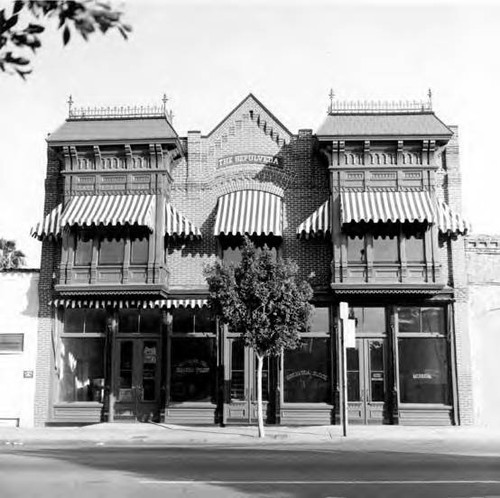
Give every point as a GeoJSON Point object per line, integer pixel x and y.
{"type": "Point", "coordinates": [22, 25]}
{"type": "Point", "coordinates": [261, 298]}
{"type": "Point", "coordinates": [10, 256]}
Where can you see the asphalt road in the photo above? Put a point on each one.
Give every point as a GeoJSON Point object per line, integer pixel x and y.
{"type": "Point", "coordinates": [217, 471]}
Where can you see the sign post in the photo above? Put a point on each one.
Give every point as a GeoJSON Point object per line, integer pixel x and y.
{"type": "Point", "coordinates": [344, 317]}
{"type": "Point", "coordinates": [347, 340]}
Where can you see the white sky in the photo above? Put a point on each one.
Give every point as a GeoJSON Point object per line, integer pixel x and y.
{"type": "Point", "coordinates": [207, 56]}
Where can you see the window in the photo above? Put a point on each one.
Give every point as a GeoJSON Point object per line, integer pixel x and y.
{"type": "Point", "coordinates": [187, 320]}
{"type": "Point", "coordinates": [111, 250]}
{"type": "Point", "coordinates": [307, 372]}
{"type": "Point", "coordinates": [414, 245]}
{"type": "Point", "coordinates": [321, 320]}
{"type": "Point", "coordinates": [385, 249]}
{"type": "Point", "coordinates": [11, 343]}
{"type": "Point", "coordinates": [356, 252]}
{"type": "Point", "coordinates": [423, 355]}
{"type": "Point", "coordinates": [139, 250]}
{"type": "Point", "coordinates": [371, 320]}
{"type": "Point", "coordinates": [231, 252]}
{"type": "Point", "coordinates": [85, 321]}
{"type": "Point", "coordinates": [193, 369]}
{"type": "Point", "coordinates": [144, 321]}
{"type": "Point", "coordinates": [83, 249]}
{"type": "Point", "coordinates": [81, 369]}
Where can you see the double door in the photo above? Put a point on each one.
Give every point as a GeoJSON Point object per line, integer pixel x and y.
{"type": "Point", "coordinates": [240, 404]}
{"type": "Point", "coordinates": [137, 379]}
{"type": "Point", "coordinates": [367, 381]}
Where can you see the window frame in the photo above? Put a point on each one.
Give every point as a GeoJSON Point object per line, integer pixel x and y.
{"type": "Point", "coordinates": [328, 335]}
{"type": "Point", "coordinates": [444, 336]}
{"type": "Point", "coordinates": [19, 335]}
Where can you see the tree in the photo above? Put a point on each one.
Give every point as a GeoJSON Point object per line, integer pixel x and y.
{"type": "Point", "coordinates": [21, 27]}
{"type": "Point", "coordinates": [10, 256]}
{"type": "Point", "coordinates": [263, 299]}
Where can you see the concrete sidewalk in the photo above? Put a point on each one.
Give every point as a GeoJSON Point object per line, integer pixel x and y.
{"type": "Point", "coordinates": [459, 440]}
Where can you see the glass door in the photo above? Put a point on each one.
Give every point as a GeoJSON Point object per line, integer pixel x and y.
{"type": "Point", "coordinates": [137, 376]}
{"type": "Point", "coordinates": [241, 378]}
{"type": "Point", "coordinates": [366, 381]}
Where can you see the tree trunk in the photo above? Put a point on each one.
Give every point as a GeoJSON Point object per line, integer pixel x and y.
{"type": "Point", "coordinates": [260, 363]}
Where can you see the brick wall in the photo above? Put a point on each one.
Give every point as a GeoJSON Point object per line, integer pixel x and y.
{"type": "Point", "coordinates": [455, 257]}
{"type": "Point", "coordinates": [50, 260]}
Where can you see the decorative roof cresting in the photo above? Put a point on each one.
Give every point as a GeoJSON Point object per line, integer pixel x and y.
{"type": "Point", "coordinates": [120, 112]}
{"type": "Point", "coordinates": [378, 106]}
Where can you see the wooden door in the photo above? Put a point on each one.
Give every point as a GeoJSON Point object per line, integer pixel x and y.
{"type": "Point", "coordinates": [240, 365]}
{"type": "Point", "coordinates": [367, 381]}
{"type": "Point", "coordinates": [137, 379]}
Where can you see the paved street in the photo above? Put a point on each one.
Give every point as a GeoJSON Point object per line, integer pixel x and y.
{"type": "Point", "coordinates": [306, 470]}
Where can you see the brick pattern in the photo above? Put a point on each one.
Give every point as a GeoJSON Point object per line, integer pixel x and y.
{"type": "Point", "coordinates": [49, 264]}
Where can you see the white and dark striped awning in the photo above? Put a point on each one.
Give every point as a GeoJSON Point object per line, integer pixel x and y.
{"type": "Point", "coordinates": [386, 206]}
{"type": "Point", "coordinates": [128, 303]}
{"type": "Point", "coordinates": [48, 226]}
{"type": "Point", "coordinates": [317, 224]}
{"type": "Point", "coordinates": [450, 222]}
{"type": "Point", "coordinates": [249, 212]}
{"type": "Point", "coordinates": [177, 225]}
{"type": "Point", "coordinates": [110, 210]}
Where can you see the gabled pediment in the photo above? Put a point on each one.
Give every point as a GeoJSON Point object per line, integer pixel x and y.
{"type": "Point", "coordinates": [250, 109]}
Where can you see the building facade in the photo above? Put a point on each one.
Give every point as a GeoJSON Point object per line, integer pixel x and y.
{"type": "Point", "coordinates": [369, 208]}
{"type": "Point", "coordinates": [18, 345]}
{"type": "Point", "coordinates": [483, 272]}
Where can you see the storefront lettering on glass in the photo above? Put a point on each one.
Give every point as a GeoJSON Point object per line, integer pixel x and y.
{"type": "Point", "coordinates": [422, 376]}
{"type": "Point", "coordinates": [266, 159]}
{"type": "Point", "coordinates": [306, 373]}
{"type": "Point", "coordinates": [192, 367]}
{"type": "Point", "coordinates": [150, 355]}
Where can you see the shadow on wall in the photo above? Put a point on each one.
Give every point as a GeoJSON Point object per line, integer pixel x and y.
{"type": "Point", "coordinates": [32, 304]}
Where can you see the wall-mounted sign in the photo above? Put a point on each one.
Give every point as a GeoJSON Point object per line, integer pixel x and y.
{"type": "Point", "coordinates": [250, 159]}
{"type": "Point", "coordinates": [27, 374]}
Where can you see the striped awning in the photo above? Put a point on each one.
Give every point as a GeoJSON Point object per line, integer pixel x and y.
{"type": "Point", "coordinates": [177, 225]}
{"type": "Point", "coordinates": [110, 210]}
{"type": "Point", "coordinates": [48, 226]}
{"type": "Point", "coordinates": [386, 206]}
{"type": "Point", "coordinates": [129, 303]}
{"type": "Point", "coordinates": [317, 224]}
{"type": "Point", "coordinates": [450, 222]}
{"type": "Point", "coordinates": [249, 212]}
{"type": "Point", "coordinates": [86, 210]}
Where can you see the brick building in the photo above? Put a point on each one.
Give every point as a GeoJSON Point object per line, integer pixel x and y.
{"type": "Point", "coordinates": [370, 204]}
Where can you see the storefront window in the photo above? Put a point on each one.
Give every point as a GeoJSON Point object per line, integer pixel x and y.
{"type": "Point", "coordinates": [370, 320]}
{"type": "Point", "coordinates": [421, 320]}
{"type": "Point", "coordinates": [81, 369]}
{"type": "Point", "coordinates": [187, 320]}
{"type": "Point", "coordinates": [144, 321]}
{"type": "Point", "coordinates": [423, 370]}
{"type": "Point", "coordinates": [193, 369]}
{"type": "Point", "coordinates": [320, 320]}
{"type": "Point", "coordinates": [306, 372]}
{"type": "Point", "coordinates": [111, 250]}
{"type": "Point", "coordinates": [385, 249]}
{"type": "Point", "coordinates": [85, 321]}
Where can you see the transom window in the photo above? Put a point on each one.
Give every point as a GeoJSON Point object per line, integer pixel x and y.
{"type": "Point", "coordinates": [139, 321]}
{"type": "Point", "coordinates": [84, 321]}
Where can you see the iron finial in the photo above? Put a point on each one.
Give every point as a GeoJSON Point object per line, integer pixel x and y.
{"type": "Point", "coordinates": [164, 100]}
{"type": "Point", "coordinates": [332, 96]}
{"type": "Point", "coordinates": [70, 105]}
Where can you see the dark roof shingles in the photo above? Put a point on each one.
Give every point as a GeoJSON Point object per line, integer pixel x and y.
{"type": "Point", "coordinates": [421, 124]}
{"type": "Point", "coordinates": [113, 129]}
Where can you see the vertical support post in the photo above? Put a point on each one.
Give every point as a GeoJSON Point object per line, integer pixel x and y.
{"type": "Point", "coordinates": [344, 378]}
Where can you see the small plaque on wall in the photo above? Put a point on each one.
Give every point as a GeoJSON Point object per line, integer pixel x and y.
{"type": "Point", "coordinates": [27, 374]}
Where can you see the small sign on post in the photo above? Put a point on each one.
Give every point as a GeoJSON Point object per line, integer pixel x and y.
{"type": "Point", "coordinates": [350, 333]}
